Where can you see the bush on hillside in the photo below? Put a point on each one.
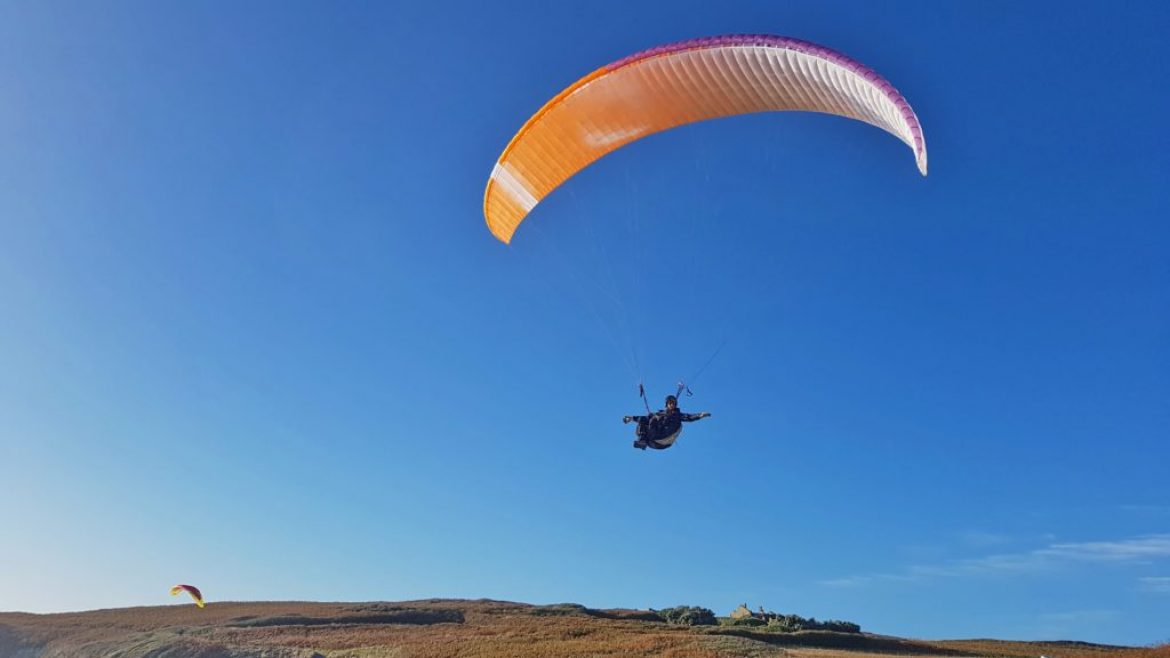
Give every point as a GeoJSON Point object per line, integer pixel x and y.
{"type": "Point", "coordinates": [559, 610]}
{"type": "Point", "coordinates": [777, 623]}
{"type": "Point", "coordinates": [689, 615]}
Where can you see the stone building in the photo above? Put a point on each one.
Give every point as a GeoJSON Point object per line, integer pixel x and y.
{"type": "Point", "coordinates": [741, 612]}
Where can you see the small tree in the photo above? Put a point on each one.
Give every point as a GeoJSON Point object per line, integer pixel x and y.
{"type": "Point", "coordinates": [689, 615]}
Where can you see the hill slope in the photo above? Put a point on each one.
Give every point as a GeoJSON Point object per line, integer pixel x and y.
{"type": "Point", "coordinates": [432, 628]}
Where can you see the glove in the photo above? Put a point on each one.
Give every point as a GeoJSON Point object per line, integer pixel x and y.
{"type": "Point", "coordinates": [627, 419]}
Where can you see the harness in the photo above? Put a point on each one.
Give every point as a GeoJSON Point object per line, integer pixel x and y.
{"type": "Point", "coordinates": [664, 442]}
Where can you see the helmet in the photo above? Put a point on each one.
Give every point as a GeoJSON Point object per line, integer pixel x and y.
{"type": "Point", "coordinates": [670, 399]}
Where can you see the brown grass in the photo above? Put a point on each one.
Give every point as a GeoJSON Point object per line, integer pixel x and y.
{"type": "Point", "coordinates": [1005, 649]}
{"type": "Point", "coordinates": [446, 628]}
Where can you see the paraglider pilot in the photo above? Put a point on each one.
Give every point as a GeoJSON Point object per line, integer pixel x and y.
{"type": "Point", "coordinates": [661, 428]}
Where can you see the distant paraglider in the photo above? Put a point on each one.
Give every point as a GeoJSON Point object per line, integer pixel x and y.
{"type": "Point", "coordinates": [192, 590]}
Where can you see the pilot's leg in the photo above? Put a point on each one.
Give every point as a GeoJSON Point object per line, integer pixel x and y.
{"type": "Point", "coordinates": [641, 432]}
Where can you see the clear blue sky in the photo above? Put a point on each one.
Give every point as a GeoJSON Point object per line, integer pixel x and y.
{"type": "Point", "coordinates": [256, 337]}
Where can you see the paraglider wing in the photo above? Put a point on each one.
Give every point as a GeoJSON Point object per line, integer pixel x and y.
{"type": "Point", "coordinates": [191, 590]}
{"type": "Point", "coordinates": [677, 84]}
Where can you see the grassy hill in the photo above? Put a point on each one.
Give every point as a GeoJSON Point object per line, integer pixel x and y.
{"type": "Point", "coordinates": [469, 629]}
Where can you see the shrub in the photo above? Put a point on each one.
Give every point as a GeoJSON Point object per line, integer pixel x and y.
{"type": "Point", "coordinates": [689, 615]}
{"type": "Point", "coordinates": [841, 626]}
